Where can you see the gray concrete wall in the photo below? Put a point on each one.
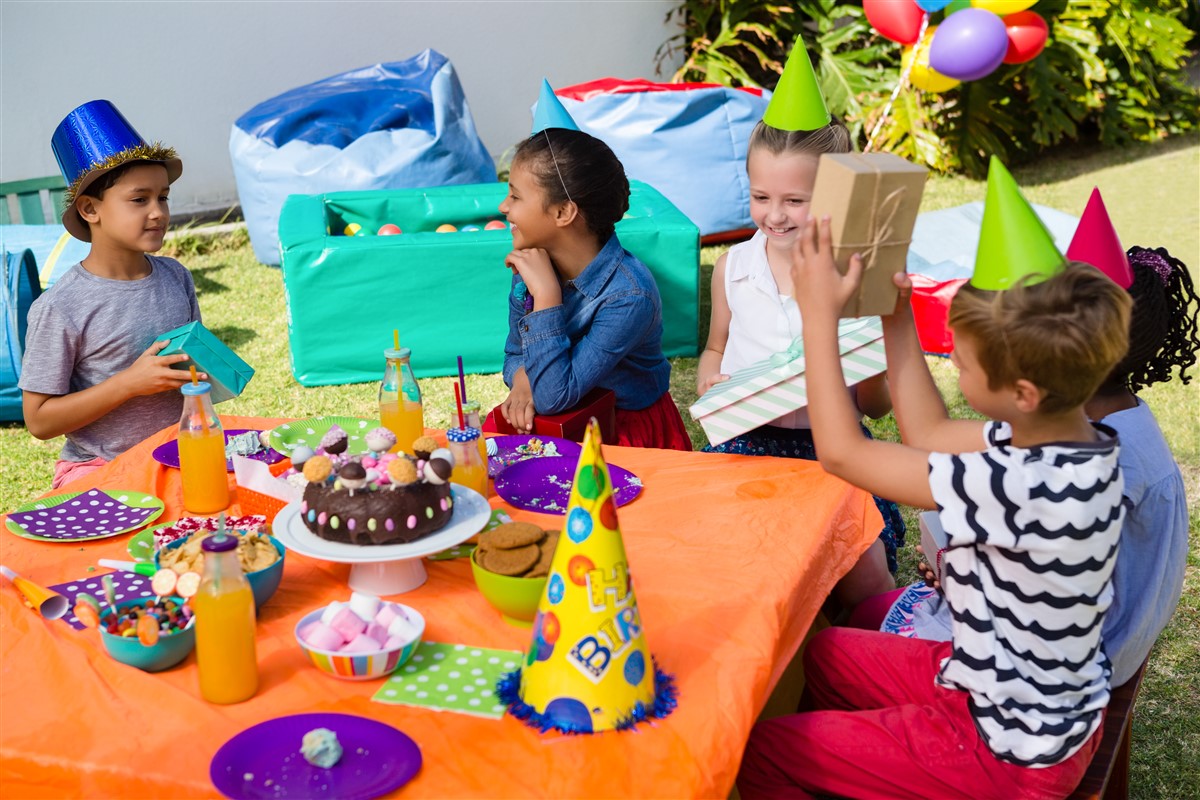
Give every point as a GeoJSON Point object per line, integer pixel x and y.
{"type": "Point", "coordinates": [183, 71]}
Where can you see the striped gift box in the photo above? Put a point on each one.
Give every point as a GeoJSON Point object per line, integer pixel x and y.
{"type": "Point", "coordinates": [768, 390]}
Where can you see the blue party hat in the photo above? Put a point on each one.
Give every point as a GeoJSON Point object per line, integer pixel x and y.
{"type": "Point", "coordinates": [92, 140]}
{"type": "Point", "coordinates": [549, 112]}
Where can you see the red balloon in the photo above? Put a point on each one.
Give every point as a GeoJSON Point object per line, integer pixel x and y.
{"type": "Point", "coordinates": [898, 20]}
{"type": "Point", "coordinates": [1027, 33]}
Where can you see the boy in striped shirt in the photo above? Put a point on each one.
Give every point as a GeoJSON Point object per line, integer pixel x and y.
{"type": "Point", "coordinates": [1011, 707]}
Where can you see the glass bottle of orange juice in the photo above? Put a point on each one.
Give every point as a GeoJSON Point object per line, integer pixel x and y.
{"type": "Point", "coordinates": [469, 469]}
{"type": "Point", "coordinates": [400, 409]}
{"type": "Point", "coordinates": [202, 452]}
{"type": "Point", "coordinates": [471, 410]}
{"type": "Point", "coordinates": [224, 606]}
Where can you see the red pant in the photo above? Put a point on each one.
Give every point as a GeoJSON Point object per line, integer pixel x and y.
{"type": "Point", "coordinates": [887, 731]}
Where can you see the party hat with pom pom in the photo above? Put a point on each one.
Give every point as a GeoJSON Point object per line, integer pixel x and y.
{"type": "Point", "coordinates": [797, 103]}
{"type": "Point", "coordinates": [549, 112]}
{"type": "Point", "coordinates": [1095, 242]}
{"type": "Point", "coordinates": [588, 668]}
{"type": "Point", "coordinates": [1013, 241]}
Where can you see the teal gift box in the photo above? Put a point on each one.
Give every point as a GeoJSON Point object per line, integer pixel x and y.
{"type": "Point", "coordinates": [446, 293]}
{"type": "Point", "coordinates": [227, 373]}
{"type": "Point", "coordinates": [769, 389]}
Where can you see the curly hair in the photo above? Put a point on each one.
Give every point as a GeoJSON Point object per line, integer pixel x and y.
{"type": "Point", "coordinates": [1163, 329]}
{"type": "Point", "coordinates": [1063, 334]}
{"type": "Point", "coordinates": [572, 165]}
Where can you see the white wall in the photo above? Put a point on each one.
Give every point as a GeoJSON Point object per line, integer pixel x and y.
{"type": "Point", "coordinates": [183, 71]}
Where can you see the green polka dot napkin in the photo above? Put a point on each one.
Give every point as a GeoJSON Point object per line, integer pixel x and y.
{"type": "Point", "coordinates": [451, 677]}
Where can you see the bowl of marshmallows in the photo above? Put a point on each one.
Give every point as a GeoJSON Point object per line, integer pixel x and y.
{"type": "Point", "coordinates": [361, 639]}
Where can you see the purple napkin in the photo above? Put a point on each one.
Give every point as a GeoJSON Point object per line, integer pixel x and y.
{"type": "Point", "coordinates": [126, 586]}
{"type": "Point", "coordinates": [91, 514]}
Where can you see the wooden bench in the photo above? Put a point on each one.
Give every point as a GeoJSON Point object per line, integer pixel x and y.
{"type": "Point", "coordinates": [1107, 777]}
{"type": "Point", "coordinates": [33, 199]}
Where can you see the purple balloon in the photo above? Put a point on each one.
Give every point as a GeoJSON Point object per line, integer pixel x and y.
{"type": "Point", "coordinates": [968, 44]}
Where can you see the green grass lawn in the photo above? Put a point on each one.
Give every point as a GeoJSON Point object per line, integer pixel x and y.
{"type": "Point", "coordinates": [1152, 195]}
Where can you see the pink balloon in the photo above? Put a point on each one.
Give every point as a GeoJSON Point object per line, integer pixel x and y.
{"type": "Point", "coordinates": [898, 20]}
{"type": "Point", "coordinates": [1027, 34]}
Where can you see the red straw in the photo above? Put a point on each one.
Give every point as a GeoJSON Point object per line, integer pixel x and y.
{"type": "Point", "coordinates": [458, 402]}
{"type": "Point", "coordinates": [462, 379]}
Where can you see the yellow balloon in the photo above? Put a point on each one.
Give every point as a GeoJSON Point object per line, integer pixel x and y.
{"type": "Point", "coordinates": [923, 76]}
{"type": "Point", "coordinates": [1003, 8]}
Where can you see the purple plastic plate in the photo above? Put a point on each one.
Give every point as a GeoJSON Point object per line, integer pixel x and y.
{"type": "Point", "coordinates": [265, 762]}
{"type": "Point", "coordinates": [168, 453]}
{"type": "Point", "coordinates": [507, 453]}
{"type": "Point", "coordinates": [544, 484]}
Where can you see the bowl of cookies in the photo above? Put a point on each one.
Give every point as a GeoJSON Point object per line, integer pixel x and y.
{"type": "Point", "coordinates": [260, 555]}
{"type": "Point", "coordinates": [510, 566]}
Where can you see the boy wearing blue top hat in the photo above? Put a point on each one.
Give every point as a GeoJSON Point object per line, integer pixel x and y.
{"type": "Point", "coordinates": [90, 369]}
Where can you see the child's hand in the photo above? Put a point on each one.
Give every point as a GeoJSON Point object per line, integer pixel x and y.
{"type": "Point", "coordinates": [904, 298]}
{"type": "Point", "coordinates": [535, 269]}
{"type": "Point", "coordinates": [152, 373]}
{"type": "Point", "coordinates": [930, 577]}
{"type": "Point", "coordinates": [709, 382]}
{"type": "Point", "coordinates": [518, 408]}
{"type": "Point", "coordinates": [821, 291]}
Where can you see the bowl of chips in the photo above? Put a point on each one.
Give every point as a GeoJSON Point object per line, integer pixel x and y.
{"type": "Point", "coordinates": [260, 555]}
{"type": "Point", "coordinates": [124, 633]}
{"type": "Point", "coordinates": [510, 566]}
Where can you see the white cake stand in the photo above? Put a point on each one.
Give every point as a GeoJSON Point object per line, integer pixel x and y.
{"type": "Point", "coordinates": [390, 568]}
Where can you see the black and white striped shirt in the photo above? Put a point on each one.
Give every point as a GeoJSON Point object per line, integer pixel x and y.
{"type": "Point", "coordinates": [1033, 536]}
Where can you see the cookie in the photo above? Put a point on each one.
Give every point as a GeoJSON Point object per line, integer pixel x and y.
{"type": "Point", "coordinates": [511, 562]}
{"type": "Point", "coordinates": [511, 535]}
{"type": "Point", "coordinates": [542, 568]}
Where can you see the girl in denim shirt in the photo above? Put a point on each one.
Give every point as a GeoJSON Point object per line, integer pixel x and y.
{"type": "Point", "coordinates": [584, 312]}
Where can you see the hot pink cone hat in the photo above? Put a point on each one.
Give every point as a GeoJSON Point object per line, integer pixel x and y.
{"type": "Point", "coordinates": [1096, 243]}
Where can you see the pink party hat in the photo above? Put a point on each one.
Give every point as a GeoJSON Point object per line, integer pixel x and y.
{"type": "Point", "coordinates": [1096, 243]}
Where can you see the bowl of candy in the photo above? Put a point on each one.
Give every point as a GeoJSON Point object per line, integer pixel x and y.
{"type": "Point", "coordinates": [260, 555]}
{"type": "Point", "coordinates": [361, 639]}
{"type": "Point", "coordinates": [149, 635]}
{"type": "Point", "coordinates": [510, 566]}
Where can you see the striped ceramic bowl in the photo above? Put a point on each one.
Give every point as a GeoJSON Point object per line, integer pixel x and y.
{"type": "Point", "coordinates": [360, 666]}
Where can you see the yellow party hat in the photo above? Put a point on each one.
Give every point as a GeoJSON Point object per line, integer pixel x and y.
{"type": "Point", "coordinates": [588, 668]}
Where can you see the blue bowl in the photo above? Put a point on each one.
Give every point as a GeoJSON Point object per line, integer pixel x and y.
{"type": "Point", "coordinates": [263, 583]}
{"type": "Point", "coordinates": [168, 651]}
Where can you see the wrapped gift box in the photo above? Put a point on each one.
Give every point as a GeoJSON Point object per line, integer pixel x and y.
{"type": "Point", "coordinates": [872, 199]}
{"type": "Point", "coordinates": [227, 373]}
{"type": "Point", "coordinates": [571, 424]}
{"type": "Point", "coordinates": [447, 293]}
{"type": "Point", "coordinates": [765, 391]}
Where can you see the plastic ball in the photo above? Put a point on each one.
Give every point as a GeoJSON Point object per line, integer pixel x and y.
{"type": "Point", "coordinates": [389, 229]}
{"type": "Point", "coordinates": [495, 225]}
{"type": "Point", "coordinates": [353, 229]}
{"type": "Point", "coordinates": [446, 228]}
{"type": "Point", "coordinates": [471, 228]}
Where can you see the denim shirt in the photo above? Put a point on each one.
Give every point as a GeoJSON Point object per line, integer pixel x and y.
{"type": "Point", "coordinates": [607, 333]}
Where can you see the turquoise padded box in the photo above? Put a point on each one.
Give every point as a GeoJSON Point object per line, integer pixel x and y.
{"type": "Point", "coordinates": [227, 372]}
{"type": "Point", "coordinates": [447, 293]}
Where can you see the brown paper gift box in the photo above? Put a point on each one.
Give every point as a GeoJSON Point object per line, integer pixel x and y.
{"type": "Point", "coordinates": [872, 200]}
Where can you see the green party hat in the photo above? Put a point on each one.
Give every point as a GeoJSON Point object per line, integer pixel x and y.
{"type": "Point", "coordinates": [797, 103]}
{"type": "Point", "coordinates": [1013, 241]}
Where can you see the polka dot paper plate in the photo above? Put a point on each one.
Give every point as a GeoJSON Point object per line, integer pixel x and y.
{"type": "Point", "coordinates": [83, 516]}
{"type": "Point", "coordinates": [309, 432]}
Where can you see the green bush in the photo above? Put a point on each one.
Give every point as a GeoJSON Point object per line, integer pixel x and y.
{"type": "Point", "coordinates": [1112, 72]}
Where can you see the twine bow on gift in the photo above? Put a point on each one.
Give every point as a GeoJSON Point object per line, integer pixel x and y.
{"type": "Point", "coordinates": [879, 228]}
{"type": "Point", "coordinates": [794, 350]}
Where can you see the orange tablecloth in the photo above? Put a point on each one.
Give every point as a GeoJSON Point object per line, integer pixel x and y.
{"type": "Point", "coordinates": [732, 558]}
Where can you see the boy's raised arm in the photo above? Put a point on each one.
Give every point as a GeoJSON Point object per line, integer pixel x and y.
{"type": "Point", "coordinates": [886, 469]}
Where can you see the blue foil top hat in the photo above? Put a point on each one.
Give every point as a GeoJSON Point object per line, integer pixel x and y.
{"type": "Point", "coordinates": [549, 112]}
{"type": "Point", "coordinates": [92, 140]}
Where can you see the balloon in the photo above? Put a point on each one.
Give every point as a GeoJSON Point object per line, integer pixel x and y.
{"type": "Point", "coordinates": [1003, 7]}
{"type": "Point", "coordinates": [1027, 33]}
{"type": "Point", "coordinates": [923, 76]}
{"type": "Point", "coordinates": [969, 44]}
{"type": "Point", "coordinates": [957, 5]}
{"type": "Point", "coordinates": [898, 20]}
{"type": "Point", "coordinates": [932, 5]}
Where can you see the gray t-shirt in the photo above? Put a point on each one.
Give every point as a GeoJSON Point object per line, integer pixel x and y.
{"type": "Point", "coordinates": [85, 329]}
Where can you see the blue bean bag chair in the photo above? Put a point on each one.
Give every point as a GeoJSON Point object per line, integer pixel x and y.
{"type": "Point", "coordinates": [18, 290]}
{"type": "Point", "coordinates": [400, 125]}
